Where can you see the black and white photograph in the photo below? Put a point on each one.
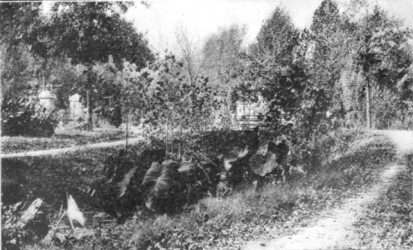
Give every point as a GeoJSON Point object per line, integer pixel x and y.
{"type": "Point", "coordinates": [206, 124]}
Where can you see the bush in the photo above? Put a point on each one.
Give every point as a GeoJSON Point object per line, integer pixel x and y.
{"type": "Point", "coordinates": [26, 118]}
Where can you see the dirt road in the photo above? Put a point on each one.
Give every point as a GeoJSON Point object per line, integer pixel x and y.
{"type": "Point", "coordinates": [335, 228]}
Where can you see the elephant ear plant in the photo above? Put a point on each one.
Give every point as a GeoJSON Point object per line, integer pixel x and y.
{"type": "Point", "coordinates": [264, 161]}
{"type": "Point", "coordinates": [161, 185]}
{"type": "Point", "coordinates": [172, 185]}
{"type": "Point", "coordinates": [235, 163]}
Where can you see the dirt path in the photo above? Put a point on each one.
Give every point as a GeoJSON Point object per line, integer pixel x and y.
{"type": "Point", "coordinates": [334, 230]}
{"type": "Point", "coordinates": [71, 149]}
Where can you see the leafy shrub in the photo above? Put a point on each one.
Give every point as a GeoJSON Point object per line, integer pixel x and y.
{"type": "Point", "coordinates": [26, 118]}
{"type": "Point", "coordinates": [118, 192]}
{"type": "Point", "coordinates": [112, 114]}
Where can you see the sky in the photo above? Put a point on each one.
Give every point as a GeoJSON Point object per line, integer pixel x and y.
{"type": "Point", "coordinates": [201, 18]}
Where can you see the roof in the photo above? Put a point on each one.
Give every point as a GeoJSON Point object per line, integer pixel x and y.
{"type": "Point", "coordinates": [46, 94]}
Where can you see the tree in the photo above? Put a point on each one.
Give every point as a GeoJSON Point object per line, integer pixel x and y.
{"type": "Point", "coordinates": [221, 54]}
{"type": "Point", "coordinates": [381, 54]}
{"type": "Point", "coordinates": [272, 69]}
{"type": "Point", "coordinates": [222, 63]}
{"type": "Point", "coordinates": [17, 65]}
{"type": "Point", "coordinates": [88, 33]}
{"type": "Point", "coordinates": [332, 44]}
{"type": "Point", "coordinates": [162, 94]}
{"type": "Point", "coordinates": [276, 39]}
{"type": "Point", "coordinates": [17, 20]}
{"type": "Point", "coordinates": [326, 19]}
{"type": "Point", "coordinates": [189, 53]}
{"type": "Point", "coordinates": [85, 33]}
{"type": "Point", "coordinates": [282, 68]}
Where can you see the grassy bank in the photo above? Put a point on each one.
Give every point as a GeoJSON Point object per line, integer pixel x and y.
{"type": "Point", "coordinates": [390, 224]}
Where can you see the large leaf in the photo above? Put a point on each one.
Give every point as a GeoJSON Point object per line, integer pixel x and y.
{"type": "Point", "coordinates": [263, 149]}
{"type": "Point", "coordinates": [266, 159]}
{"type": "Point", "coordinates": [158, 180]}
{"type": "Point", "coordinates": [263, 164]}
{"type": "Point", "coordinates": [73, 212]}
{"type": "Point", "coordinates": [30, 213]}
{"type": "Point", "coordinates": [233, 156]}
{"type": "Point", "coordinates": [186, 166]}
{"type": "Point", "coordinates": [125, 181]}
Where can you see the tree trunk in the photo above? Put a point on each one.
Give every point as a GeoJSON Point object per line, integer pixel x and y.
{"type": "Point", "coordinates": [127, 129]}
{"type": "Point", "coordinates": [89, 111]}
{"type": "Point", "coordinates": [368, 105]}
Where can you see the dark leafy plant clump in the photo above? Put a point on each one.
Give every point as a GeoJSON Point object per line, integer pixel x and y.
{"type": "Point", "coordinates": [14, 181]}
{"type": "Point", "coordinates": [146, 179]}
{"type": "Point", "coordinates": [26, 118]}
{"type": "Point", "coordinates": [118, 191]}
{"type": "Point", "coordinates": [166, 182]}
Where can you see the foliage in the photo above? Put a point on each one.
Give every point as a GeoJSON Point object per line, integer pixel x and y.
{"type": "Point", "coordinates": [221, 57]}
{"type": "Point", "coordinates": [141, 180]}
{"type": "Point", "coordinates": [15, 32]}
{"type": "Point", "coordinates": [89, 32]}
{"type": "Point", "coordinates": [160, 183]}
{"type": "Point", "coordinates": [22, 225]}
{"type": "Point", "coordinates": [18, 68]}
{"type": "Point", "coordinates": [161, 94]}
{"type": "Point", "coordinates": [118, 193]}
{"type": "Point", "coordinates": [26, 118]}
{"type": "Point", "coordinates": [381, 58]}
{"type": "Point", "coordinates": [80, 34]}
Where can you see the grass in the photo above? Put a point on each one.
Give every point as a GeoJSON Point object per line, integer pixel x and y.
{"type": "Point", "coordinates": [389, 225]}
{"type": "Point", "coordinates": [15, 144]}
